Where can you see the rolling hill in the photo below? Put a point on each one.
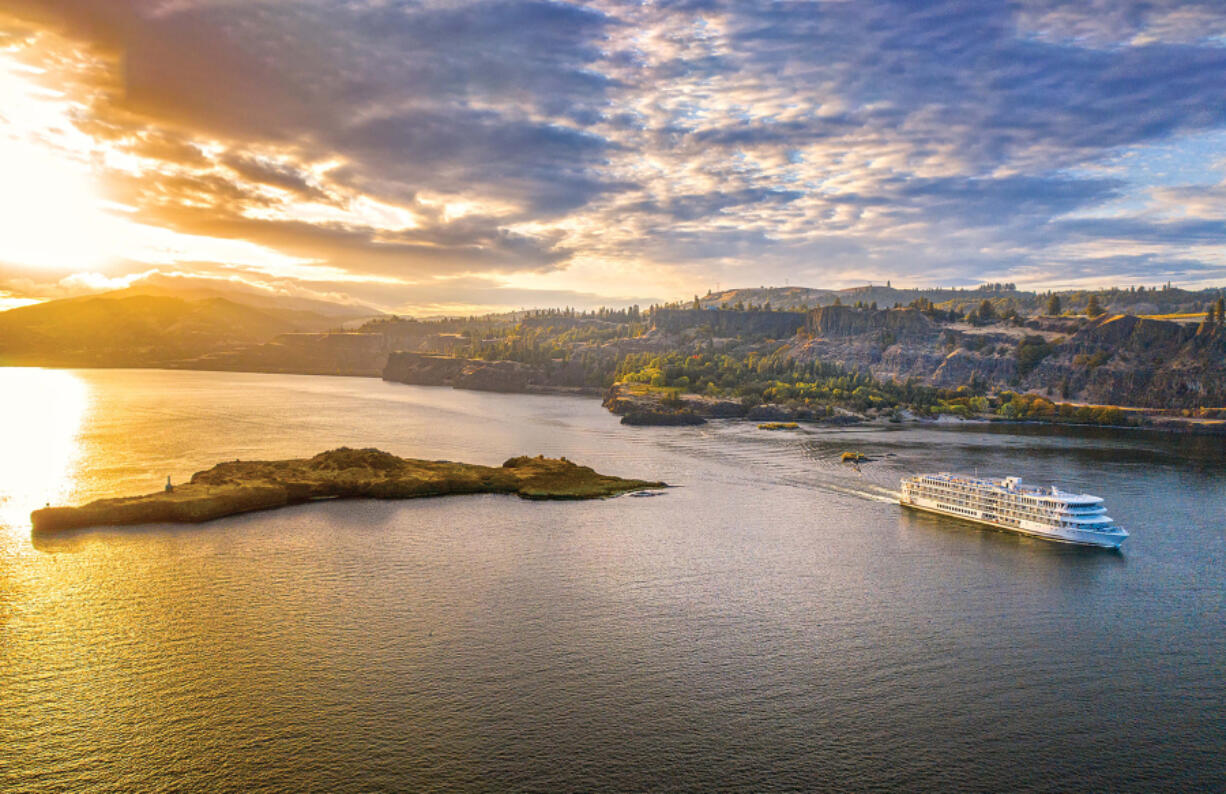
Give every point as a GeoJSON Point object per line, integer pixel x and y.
{"type": "Point", "coordinates": [123, 329]}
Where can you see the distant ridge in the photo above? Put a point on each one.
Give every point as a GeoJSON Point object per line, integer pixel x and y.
{"type": "Point", "coordinates": [198, 289]}
{"type": "Point", "coordinates": [141, 330]}
{"type": "Point", "coordinates": [1140, 301]}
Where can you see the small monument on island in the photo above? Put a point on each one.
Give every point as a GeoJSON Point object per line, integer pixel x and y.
{"type": "Point", "coordinates": [169, 488]}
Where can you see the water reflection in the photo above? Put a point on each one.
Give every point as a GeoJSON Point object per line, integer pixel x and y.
{"type": "Point", "coordinates": [957, 533]}
{"type": "Point", "coordinates": [775, 622]}
{"type": "Point", "coordinates": [40, 424]}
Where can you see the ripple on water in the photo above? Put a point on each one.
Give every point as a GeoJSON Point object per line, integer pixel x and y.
{"type": "Point", "coordinates": [773, 623]}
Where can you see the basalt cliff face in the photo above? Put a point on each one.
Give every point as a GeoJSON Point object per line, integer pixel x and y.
{"type": "Point", "coordinates": [425, 369]}
{"type": "Point", "coordinates": [328, 353]}
{"type": "Point", "coordinates": [1126, 360]}
{"type": "Point", "coordinates": [1120, 360]}
{"type": "Point", "coordinates": [900, 344]}
{"type": "Point", "coordinates": [778, 325]}
{"type": "Point", "coordinates": [440, 369]}
{"type": "Point", "coordinates": [840, 322]}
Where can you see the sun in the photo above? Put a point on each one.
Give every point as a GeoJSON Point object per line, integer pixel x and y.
{"type": "Point", "coordinates": [51, 209]}
{"type": "Point", "coordinates": [54, 212]}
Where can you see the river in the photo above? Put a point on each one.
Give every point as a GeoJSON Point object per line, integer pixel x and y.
{"type": "Point", "coordinates": [774, 622]}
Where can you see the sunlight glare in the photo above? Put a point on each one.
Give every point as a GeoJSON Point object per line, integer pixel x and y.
{"type": "Point", "coordinates": [40, 424]}
{"type": "Point", "coordinates": [53, 214]}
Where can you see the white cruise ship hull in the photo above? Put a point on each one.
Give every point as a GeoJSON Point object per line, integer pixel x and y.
{"type": "Point", "coordinates": [1058, 534]}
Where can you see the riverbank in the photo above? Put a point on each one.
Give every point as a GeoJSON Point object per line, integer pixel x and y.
{"type": "Point", "coordinates": [244, 486]}
{"type": "Point", "coordinates": [639, 404]}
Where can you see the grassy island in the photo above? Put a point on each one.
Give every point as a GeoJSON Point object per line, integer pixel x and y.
{"type": "Point", "coordinates": [243, 486]}
{"type": "Point", "coordinates": [779, 426]}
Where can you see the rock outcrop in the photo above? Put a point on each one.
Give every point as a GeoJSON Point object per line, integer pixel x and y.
{"type": "Point", "coordinates": [961, 367]}
{"type": "Point", "coordinates": [243, 486]}
{"type": "Point", "coordinates": [639, 407]}
{"type": "Point", "coordinates": [659, 417]}
{"type": "Point", "coordinates": [425, 369]}
{"type": "Point", "coordinates": [1119, 360]}
{"type": "Point", "coordinates": [1127, 360]}
{"type": "Point", "coordinates": [894, 344]}
{"type": "Point", "coordinates": [845, 321]}
{"type": "Point", "coordinates": [730, 322]}
{"type": "Point", "coordinates": [330, 353]}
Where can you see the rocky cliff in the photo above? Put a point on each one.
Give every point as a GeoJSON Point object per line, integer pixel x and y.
{"type": "Point", "coordinates": [1127, 360]}
{"type": "Point", "coordinates": [332, 353]}
{"type": "Point", "coordinates": [730, 322]}
{"type": "Point", "coordinates": [424, 369]}
{"type": "Point", "coordinates": [1120, 360]}
{"type": "Point", "coordinates": [836, 322]}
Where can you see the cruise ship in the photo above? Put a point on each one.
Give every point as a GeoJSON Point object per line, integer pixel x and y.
{"type": "Point", "coordinates": [1008, 504]}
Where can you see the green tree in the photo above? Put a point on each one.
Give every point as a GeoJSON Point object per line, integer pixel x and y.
{"type": "Point", "coordinates": [1221, 311]}
{"type": "Point", "coordinates": [1030, 351]}
{"type": "Point", "coordinates": [1092, 307]}
{"type": "Point", "coordinates": [987, 312]}
{"type": "Point", "coordinates": [1053, 305]}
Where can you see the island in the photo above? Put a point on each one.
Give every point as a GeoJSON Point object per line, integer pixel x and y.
{"type": "Point", "coordinates": [244, 486]}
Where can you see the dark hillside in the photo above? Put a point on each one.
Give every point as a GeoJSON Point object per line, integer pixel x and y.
{"type": "Point", "coordinates": [137, 330]}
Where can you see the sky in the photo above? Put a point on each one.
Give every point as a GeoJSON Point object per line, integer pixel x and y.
{"type": "Point", "coordinates": [455, 157]}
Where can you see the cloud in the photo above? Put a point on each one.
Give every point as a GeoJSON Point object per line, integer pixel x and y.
{"type": "Point", "coordinates": [1180, 232]}
{"type": "Point", "coordinates": [708, 141]}
{"type": "Point", "coordinates": [1001, 201]}
{"type": "Point", "coordinates": [265, 172]}
{"type": "Point", "coordinates": [28, 284]}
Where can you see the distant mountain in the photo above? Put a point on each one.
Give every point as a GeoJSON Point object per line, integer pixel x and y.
{"type": "Point", "coordinates": [198, 289]}
{"type": "Point", "coordinates": [125, 329]}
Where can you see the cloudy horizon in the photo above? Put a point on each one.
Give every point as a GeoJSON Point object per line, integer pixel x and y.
{"type": "Point", "coordinates": [441, 157]}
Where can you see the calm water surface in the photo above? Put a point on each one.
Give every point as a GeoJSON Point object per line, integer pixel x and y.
{"type": "Point", "coordinates": [773, 623]}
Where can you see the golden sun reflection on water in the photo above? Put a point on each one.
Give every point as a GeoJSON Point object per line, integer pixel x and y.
{"type": "Point", "coordinates": [40, 426]}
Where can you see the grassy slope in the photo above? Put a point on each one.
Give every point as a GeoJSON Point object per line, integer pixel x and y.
{"type": "Point", "coordinates": [135, 329]}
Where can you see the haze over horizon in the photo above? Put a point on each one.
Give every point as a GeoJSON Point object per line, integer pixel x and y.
{"type": "Point", "coordinates": [430, 157]}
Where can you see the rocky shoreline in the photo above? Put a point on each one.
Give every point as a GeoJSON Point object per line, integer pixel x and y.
{"type": "Point", "coordinates": [639, 406]}
{"type": "Point", "coordinates": [244, 486]}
